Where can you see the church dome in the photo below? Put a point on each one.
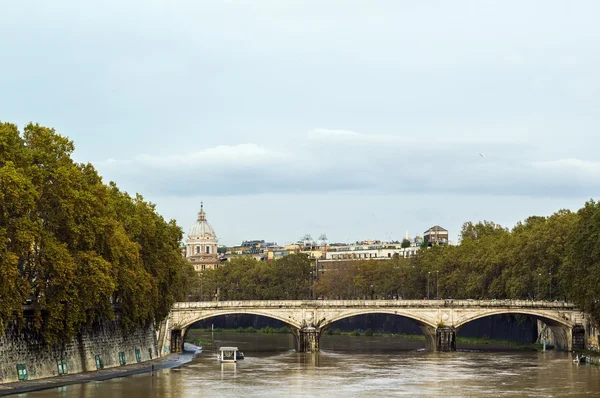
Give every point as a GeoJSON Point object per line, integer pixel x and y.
{"type": "Point", "coordinates": [202, 229]}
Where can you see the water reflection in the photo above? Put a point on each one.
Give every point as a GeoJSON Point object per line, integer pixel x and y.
{"type": "Point", "coordinates": [228, 369]}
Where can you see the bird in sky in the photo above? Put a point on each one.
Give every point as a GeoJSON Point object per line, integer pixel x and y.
{"type": "Point", "coordinates": [480, 155]}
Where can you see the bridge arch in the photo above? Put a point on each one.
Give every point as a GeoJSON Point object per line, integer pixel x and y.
{"type": "Point", "coordinates": [178, 329]}
{"type": "Point", "coordinates": [421, 321]}
{"type": "Point", "coordinates": [561, 327]}
{"type": "Point", "coordinates": [206, 315]}
{"type": "Point", "coordinates": [427, 326]}
{"type": "Point", "coordinates": [548, 319]}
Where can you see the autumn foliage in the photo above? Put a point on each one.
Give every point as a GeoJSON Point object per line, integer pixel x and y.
{"type": "Point", "coordinates": [77, 250]}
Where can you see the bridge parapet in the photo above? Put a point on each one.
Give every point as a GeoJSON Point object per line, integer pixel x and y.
{"type": "Point", "coordinates": [374, 303]}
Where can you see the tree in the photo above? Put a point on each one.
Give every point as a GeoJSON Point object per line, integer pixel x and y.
{"type": "Point", "coordinates": [76, 247]}
{"type": "Point", "coordinates": [481, 230]}
{"type": "Point", "coordinates": [405, 243]}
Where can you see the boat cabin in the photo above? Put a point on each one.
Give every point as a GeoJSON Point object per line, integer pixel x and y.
{"type": "Point", "coordinates": [228, 354]}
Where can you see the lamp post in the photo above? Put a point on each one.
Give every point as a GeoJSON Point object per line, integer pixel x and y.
{"type": "Point", "coordinates": [437, 284]}
{"type": "Point", "coordinates": [550, 273]}
{"type": "Point", "coordinates": [428, 274]}
{"type": "Point", "coordinates": [538, 292]}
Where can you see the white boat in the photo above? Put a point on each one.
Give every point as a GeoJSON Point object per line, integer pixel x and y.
{"type": "Point", "coordinates": [582, 359]}
{"type": "Point", "coordinates": [228, 354]}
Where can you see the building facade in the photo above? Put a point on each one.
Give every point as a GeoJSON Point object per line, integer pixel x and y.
{"type": "Point", "coordinates": [436, 235]}
{"type": "Point", "coordinates": [201, 244]}
{"type": "Point", "coordinates": [366, 252]}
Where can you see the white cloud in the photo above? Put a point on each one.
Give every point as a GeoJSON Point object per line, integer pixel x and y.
{"type": "Point", "coordinates": [570, 165]}
{"type": "Point", "coordinates": [359, 162]}
{"type": "Point", "coordinates": [230, 155]}
{"type": "Point", "coordinates": [337, 133]}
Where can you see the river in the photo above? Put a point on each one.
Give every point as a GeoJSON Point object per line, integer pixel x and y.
{"type": "Point", "coordinates": [352, 366]}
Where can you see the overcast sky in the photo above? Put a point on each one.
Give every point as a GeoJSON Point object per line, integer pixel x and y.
{"type": "Point", "coordinates": [358, 119]}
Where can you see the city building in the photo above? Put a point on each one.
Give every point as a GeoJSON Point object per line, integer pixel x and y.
{"type": "Point", "coordinates": [375, 251]}
{"type": "Point", "coordinates": [436, 235]}
{"type": "Point", "coordinates": [201, 244]}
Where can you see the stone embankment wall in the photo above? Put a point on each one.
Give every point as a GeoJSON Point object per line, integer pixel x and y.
{"type": "Point", "coordinates": [101, 346]}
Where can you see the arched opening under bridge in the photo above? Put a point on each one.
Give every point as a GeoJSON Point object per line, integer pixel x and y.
{"type": "Point", "coordinates": [513, 329]}
{"type": "Point", "coordinates": [254, 333]}
{"type": "Point", "coordinates": [380, 331]}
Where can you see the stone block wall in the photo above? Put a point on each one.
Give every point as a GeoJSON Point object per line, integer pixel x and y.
{"type": "Point", "coordinates": [105, 340]}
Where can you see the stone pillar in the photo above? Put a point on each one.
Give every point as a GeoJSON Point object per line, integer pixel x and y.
{"type": "Point", "coordinates": [307, 339]}
{"type": "Point", "coordinates": [445, 339]}
{"type": "Point", "coordinates": [578, 338]}
{"type": "Point", "coordinates": [176, 340]}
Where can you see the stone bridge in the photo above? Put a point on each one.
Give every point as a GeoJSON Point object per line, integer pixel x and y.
{"type": "Point", "coordinates": [438, 319]}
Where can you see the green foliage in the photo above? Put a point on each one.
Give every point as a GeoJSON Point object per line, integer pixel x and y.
{"type": "Point", "coordinates": [78, 249]}
{"type": "Point", "coordinates": [580, 274]}
{"type": "Point", "coordinates": [244, 278]}
{"type": "Point", "coordinates": [545, 258]}
{"type": "Point", "coordinates": [405, 243]}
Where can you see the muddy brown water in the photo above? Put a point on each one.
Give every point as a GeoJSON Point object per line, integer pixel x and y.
{"type": "Point", "coordinates": [351, 366]}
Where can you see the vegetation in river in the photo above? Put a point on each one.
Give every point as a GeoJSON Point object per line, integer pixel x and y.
{"type": "Point", "coordinates": [74, 249]}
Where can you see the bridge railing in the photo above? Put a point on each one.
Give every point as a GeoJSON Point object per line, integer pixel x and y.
{"type": "Point", "coordinates": [373, 303]}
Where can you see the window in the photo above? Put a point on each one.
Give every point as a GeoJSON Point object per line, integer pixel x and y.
{"type": "Point", "coordinates": [203, 267]}
{"type": "Point", "coordinates": [197, 249]}
{"type": "Point", "coordinates": [207, 249]}
{"type": "Point", "coordinates": [389, 254]}
{"type": "Point", "coordinates": [150, 353]}
{"type": "Point", "coordinates": [216, 266]}
{"type": "Point", "coordinates": [138, 355]}
{"type": "Point", "coordinates": [122, 358]}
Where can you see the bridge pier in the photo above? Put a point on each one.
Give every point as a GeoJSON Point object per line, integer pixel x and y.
{"type": "Point", "coordinates": [307, 339]}
{"type": "Point", "coordinates": [442, 339]}
{"type": "Point", "coordinates": [445, 339]}
{"type": "Point", "coordinates": [578, 338]}
{"type": "Point", "coordinates": [177, 340]}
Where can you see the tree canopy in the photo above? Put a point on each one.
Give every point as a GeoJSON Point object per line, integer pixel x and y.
{"type": "Point", "coordinates": [76, 249]}
{"type": "Point", "coordinates": [541, 258]}
{"type": "Point", "coordinates": [244, 278]}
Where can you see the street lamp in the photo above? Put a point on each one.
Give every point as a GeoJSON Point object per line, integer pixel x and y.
{"type": "Point", "coordinates": [538, 292]}
{"type": "Point", "coordinates": [437, 284]}
{"type": "Point", "coordinates": [428, 274]}
{"type": "Point", "coordinates": [550, 273]}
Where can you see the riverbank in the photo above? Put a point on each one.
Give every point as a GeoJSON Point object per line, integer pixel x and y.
{"type": "Point", "coordinates": [169, 361]}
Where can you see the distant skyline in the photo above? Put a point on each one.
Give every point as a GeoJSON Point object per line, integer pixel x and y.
{"type": "Point", "coordinates": [356, 119]}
